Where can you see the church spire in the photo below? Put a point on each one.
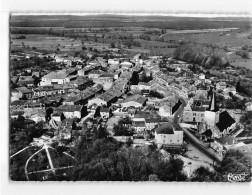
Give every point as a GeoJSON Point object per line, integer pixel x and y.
{"type": "Point", "coordinates": [212, 105]}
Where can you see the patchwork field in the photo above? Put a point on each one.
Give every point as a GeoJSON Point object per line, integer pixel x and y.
{"type": "Point", "coordinates": [233, 39]}
{"type": "Point", "coordinates": [44, 42]}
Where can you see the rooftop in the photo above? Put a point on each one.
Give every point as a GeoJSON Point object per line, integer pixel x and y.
{"type": "Point", "coordinates": [23, 90]}
{"type": "Point", "coordinates": [69, 108]}
{"type": "Point", "coordinates": [165, 129]}
{"type": "Point", "coordinates": [225, 121]}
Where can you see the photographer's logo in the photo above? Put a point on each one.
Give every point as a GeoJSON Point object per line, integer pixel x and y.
{"type": "Point", "coordinates": [236, 177]}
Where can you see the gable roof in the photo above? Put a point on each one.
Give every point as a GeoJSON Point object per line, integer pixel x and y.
{"type": "Point", "coordinates": [23, 90]}
{"type": "Point", "coordinates": [69, 108]}
{"type": "Point", "coordinates": [104, 109]}
{"type": "Point", "coordinates": [229, 140]}
{"type": "Point", "coordinates": [25, 78]}
{"type": "Point", "coordinates": [166, 128]}
{"type": "Point", "coordinates": [225, 121]}
{"type": "Point", "coordinates": [139, 124]}
{"type": "Point", "coordinates": [55, 75]}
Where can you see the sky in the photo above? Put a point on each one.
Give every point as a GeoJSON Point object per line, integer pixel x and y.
{"type": "Point", "coordinates": [196, 7]}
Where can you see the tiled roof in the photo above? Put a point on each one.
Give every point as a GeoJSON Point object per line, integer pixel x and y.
{"type": "Point", "coordinates": [81, 80]}
{"type": "Point", "coordinates": [137, 98]}
{"type": "Point", "coordinates": [165, 129]}
{"type": "Point", "coordinates": [25, 78]}
{"type": "Point", "coordinates": [198, 109]}
{"type": "Point", "coordinates": [55, 75]}
{"type": "Point", "coordinates": [139, 124]}
{"type": "Point", "coordinates": [69, 108]}
{"type": "Point", "coordinates": [23, 90]}
{"type": "Point", "coordinates": [225, 121]}
{"type": "Point", "coordinates": [104, 109]}
{"type": "Point", "coordinates": [226, 140]}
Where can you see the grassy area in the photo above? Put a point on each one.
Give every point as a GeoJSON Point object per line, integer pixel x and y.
{"type": "Point", "coordinates": [45, 42]}
{"type": "Point", "coordinates": [60, 160]}
{"type": "Point", "coordinates": [17, 164]}
{"type": "Point", "coordinates": [236, 38]}
{"type": "Point", "coordinates": [238, 61]}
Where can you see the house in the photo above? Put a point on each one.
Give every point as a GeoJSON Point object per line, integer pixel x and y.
{"type": "Point", "coordinates": [167, 136]}
{"type": "Point", "coordinates": [162, 78]}
{"type": "Point", "coordinates": [220, 145]}
{"type": "Point", "coordinates": [248, 106]}
{"type": "Point", "coordinates": [64, 59]}
{"type": "Point", "coordinates": [136, 101]}
{"type": "Point", "coordinates": [104, 112]}
{"type": "Point", "coordinates": [97, 101]}
{"type": "Point", "coordinates": [65, 129]}
{"type": "Point", "coordinates": [82, 82]}
{"type": "Point", "coordinates": [23, 93]}
{"type": "Point", "coordinates": [152, 122]}
{"type": "Point", "coordinates": [71, 111]}
{"type": "Point", "coordinates": [225, 124]}
{"type": "Point", "coordinates": [26, 81]}
{"type": "Point", "coordinates": [106, 80]}
{"type": "Point", "coordinates": [114, 61]}
{"type": "Point", "coordinates": [221, 86]}
{"type": "Point", "coordinates": [55, 78]}
{"type": "Point", "coordinates": [94, 74]}
{"type": "Point", "coordinates": [75, 100]}
{"type": "Point", "coordinates": [165, 111]}
{"type": "Point", "coordinates": [90, 92]}
{"type": "Point", "coordinates": [139, 126]}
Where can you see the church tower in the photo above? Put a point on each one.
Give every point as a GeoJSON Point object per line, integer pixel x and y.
{"type": "Point", "coordinates": [212, 115]}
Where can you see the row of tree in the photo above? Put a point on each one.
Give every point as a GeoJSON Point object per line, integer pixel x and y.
{"type": "Point", "coordinates": [107, 160]}
{"type": "Point", "coordinates": [206, 57]}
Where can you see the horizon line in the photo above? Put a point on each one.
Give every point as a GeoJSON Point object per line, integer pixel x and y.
{"type": "Point", "coordinates": [182, 14]}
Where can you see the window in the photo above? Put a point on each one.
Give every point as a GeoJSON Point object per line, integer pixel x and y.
{"type": "Point", "coordinates": [194, 114]}
{"type": "Point", "coordinates": [202, 115]}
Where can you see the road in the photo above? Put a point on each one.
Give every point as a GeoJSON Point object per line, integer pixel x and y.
{"type": "Point", "coordinates": [192, 138]}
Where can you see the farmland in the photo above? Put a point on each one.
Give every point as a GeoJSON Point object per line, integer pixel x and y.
{"type": "Point", "coordinates": [149, 35]}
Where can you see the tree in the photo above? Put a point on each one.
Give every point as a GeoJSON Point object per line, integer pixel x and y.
{"type": "Point", "coordinates": [237, 162]}
{"type": "Point", "coordinates": [123, 128]}
{"type": "Point", "coordinates": [135, 78]}
{"type": "Point", "coordinates": [171, 170]}
{"type": "Point", "coordinates": [153, 177]}
{"type": "Point", "coordinates": [112, 45]}
{"type": "Point", "coordinates": [203, 174]}
{"type": "Point", "coordinates": [95, 38]}
{"type": "Point", "coordinates": [76, 54]}
{"type": "Point", "coordinates": [102, 133]}
{"type": "Point", "coordinates": [245, 54]}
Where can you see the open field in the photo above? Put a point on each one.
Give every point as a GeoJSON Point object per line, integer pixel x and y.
{"type": "Point", "coordinates": [48, 43]}
{"type": "Point", "coordinates": [233, 39]}
{"type": "Point", "coordinates": [178, 23]}
{"type": "Point", "coordinates": [238, 61]}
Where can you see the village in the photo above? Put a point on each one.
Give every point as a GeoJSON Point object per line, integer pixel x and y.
{"type": "Point", "coordinates": [134, 100]}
